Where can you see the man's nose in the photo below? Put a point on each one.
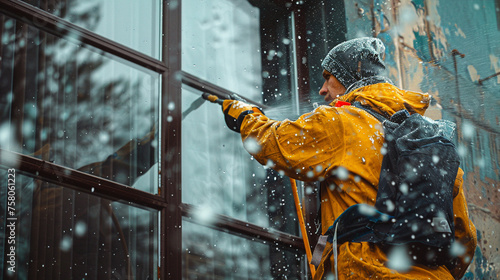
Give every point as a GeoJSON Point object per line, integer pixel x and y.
{"type": "Point", "coordinates": [323, 90]}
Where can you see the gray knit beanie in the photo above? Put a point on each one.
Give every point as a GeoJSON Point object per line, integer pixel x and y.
{"type": "Point", "coordinates": [356, 60]}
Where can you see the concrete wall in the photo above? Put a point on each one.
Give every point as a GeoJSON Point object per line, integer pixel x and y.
{"type": "Point", "coordinates": [447, 48]}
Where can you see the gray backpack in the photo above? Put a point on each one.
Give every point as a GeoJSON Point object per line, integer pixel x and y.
{"type": "Point", "coordinates": [414, 205]}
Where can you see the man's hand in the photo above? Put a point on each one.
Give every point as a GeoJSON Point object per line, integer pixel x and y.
{"type": "Point", "coordinates": [235, 111]}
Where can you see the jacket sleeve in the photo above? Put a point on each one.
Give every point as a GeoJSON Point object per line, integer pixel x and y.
{"type": "Point", "coordinates": [465, 231]}
{"type": "Point", "coordinates": [305, 149]}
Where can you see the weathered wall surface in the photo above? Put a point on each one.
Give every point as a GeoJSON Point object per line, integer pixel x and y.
{"type": "Point", "coordinates": [450, 49]}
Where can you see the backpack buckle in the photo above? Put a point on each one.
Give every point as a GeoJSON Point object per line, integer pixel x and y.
{"type": "Point", "coordinates": [440, 225]}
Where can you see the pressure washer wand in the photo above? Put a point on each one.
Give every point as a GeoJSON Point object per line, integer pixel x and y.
{"type": "Point", "coordinates": [219, 100]}
{"type": "Point", "coordinates": [212, 98]}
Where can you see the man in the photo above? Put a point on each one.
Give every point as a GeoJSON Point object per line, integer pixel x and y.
{"type": "Point", "coordinates": [342, 146]}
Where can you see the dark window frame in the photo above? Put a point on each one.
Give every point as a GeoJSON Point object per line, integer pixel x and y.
{"type": "Point", "coordinates": [168, 201]}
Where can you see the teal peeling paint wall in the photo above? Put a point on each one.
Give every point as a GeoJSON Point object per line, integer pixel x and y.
{"type": "Point", "coordinates": [448, 48]}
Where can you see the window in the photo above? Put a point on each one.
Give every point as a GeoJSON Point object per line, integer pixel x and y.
{"type": "Point", "coordinates": [120, 170]}
{"type": "Point", "coordinates": [65, 232]}
{"type": "Point", "coordinates": [215, 154]}
{"type": "Point", "coordinates": [135, 24]}
{"type": "Point", "coordinates": [218, 255]}
{"type": "Point", "coordinates": [233, 46]}
{"type": "Point", "coordinates": [70, 106]}
{"type": "Point", "coordinates": [79, 128]}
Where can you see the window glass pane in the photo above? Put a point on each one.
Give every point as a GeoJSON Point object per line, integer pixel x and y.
{"type": "Point", "coordinates": [133, 23]}
{"type": "Point", "coordinates": [221, 44]}
{"type": "Point", "coordinates": [74, 107]}
{"type": "Point", "coordinates": [219, 176]}
{"type": "Point", "coordinates": [212, 254]}
{"type": "Point", "coordinates": [60, 233]}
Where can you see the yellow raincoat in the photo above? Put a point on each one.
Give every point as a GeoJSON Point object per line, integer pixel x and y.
{"type": "Point", "coordinates": [340, 146]}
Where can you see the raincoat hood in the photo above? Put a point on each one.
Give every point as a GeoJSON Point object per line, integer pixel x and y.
{"type": "Point", "coordinates": [388, 99]}
{"type": "Point", "coordinates": [358, 62]}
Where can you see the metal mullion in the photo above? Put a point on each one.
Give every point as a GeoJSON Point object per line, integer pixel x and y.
{"type": "Point", "coordinates": [69, 31]}
{"type": "Point", "coordinates": [171, 116]}
{"type": "Point", "coordinates": [246, 229]}
{"type": "Point", "coordinates": [300, 40]}
{"type": "Point", "coordinates": [42, 233]}
{"type": "Point", "coordinates": [68, 223]}
{"type": "Point", "coordinates": [2, 24]}
{"type": "Point", "coordinates": [80, 181]}
{"type": "Point", "coordinates": [153, 233]}
{"type": "Point", "coordinates": [35, 238]}
{"type": "Point", "coordinates": [301, 77]}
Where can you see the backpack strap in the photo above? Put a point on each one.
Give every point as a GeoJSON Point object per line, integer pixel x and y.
{"type": "Point", "coordinates": [374, 113]}
{"type": "Point", "coordinates": [398, 117]}
{"type": "Point", "coordinates": [318, 250]}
